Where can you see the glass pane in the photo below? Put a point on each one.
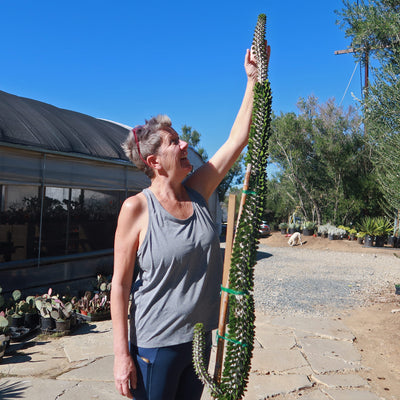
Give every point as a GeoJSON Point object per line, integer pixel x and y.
{"type": "Point", "coordinates": [74, 221]}
{"type": "Point", "coordinates": [19, 222]}
{"type": "Point", "coordinates": [94, 217]}
{"type": "Point", "coordinates": [55, 218]}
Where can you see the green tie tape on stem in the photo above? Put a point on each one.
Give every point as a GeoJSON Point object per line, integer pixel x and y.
{"type": "Point", "coordinates": [231, 340]}
{"type": "Point", "coordinates": [249, 192]}
{"type": "Point", "coordinates": [231, 291]}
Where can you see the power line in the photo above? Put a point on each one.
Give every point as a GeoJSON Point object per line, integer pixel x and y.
{"type": "Point", "coordinates": [351, 78]}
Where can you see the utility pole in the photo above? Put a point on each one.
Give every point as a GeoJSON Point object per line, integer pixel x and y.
{"type": "Point", "coordinates": [366, 63]}
{"type": "Point", "coordinates": [365, 51]}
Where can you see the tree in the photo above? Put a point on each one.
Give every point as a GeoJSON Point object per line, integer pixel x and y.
{"type": "Point", "coordinates": [374, 27]}
{"type": "Point", "coordinates": [323, 161]}
{"type": "Point", "coordinates": [193, 139]}
{"type": "Point", "coordinates": [234, 176]}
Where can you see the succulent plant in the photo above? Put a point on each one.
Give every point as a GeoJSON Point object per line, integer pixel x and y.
{"type": "Point", "coordinates": [240, 336]}
{"type": "Point", "coordinates": [3, 323]}
{"type": "Point", "coordinates": [50, 306]}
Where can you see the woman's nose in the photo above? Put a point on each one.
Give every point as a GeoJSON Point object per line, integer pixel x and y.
{"type": "Point", "coordinates": [183, 145]}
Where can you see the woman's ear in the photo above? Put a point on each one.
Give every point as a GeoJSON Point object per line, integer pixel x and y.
{"type": "Point", "coordinates": [153, 162]}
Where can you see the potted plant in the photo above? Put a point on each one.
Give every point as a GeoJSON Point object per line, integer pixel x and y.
{"type": "Point", "coordinates": [44, 306]}
{"type": "Point", "coordinates": [55, 314]}
{"type": "Point", "coordinates": [332, 233]}
{"type": "Point", "coordinates": [4, 330]}
{"type": "Point", "coordinates": [291, 228]}
{"type": "Point", "coordinates": [397, 287]}
{"type": "Point", "coordinates": [61, 313]}
{"type": "Point", "coordinates": [308, 228]}
{"type": "Point", "coordinates": [341, 233]}
{"type": "Point", "coordinates": [16, 311]}
{"type": "Point", "coordinates": [31, 316]}
{"type": "Point", "coordinates": [95, 307]}
{"type": "Point", "coordinates": [360, 237]}
{"type": "Point", "coordinates": [2, 346]}
{"type": "Point", "coordinates": [352, 233]}
{"type": "Point", "coordinates": [83, 303]}
{"type": "Point", "coordinates": [283, 227]}
{"type": "Point", "coordinates": [368, 226]}
{"type": "Point", "coordinates": [382, 229]}
{"type": "Point", "coordinates": [323, 230]}
{"type": "Point", "coordinates": [345, 230]}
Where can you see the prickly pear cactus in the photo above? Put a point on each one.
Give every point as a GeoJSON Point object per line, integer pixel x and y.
{"type": "Point", "coordinates": [240, 332]}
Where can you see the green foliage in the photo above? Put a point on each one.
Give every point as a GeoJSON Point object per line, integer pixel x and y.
{"type": "Point", "coordinates": [376, 226]}
{"type": "Point", "coordinates": [373, 27]}
{"type": "Point", "coordinates": [367, 225]}
{"type": "Point", "coordinates": [234, 176]}
{"type": "Point", "coordinates": [309, 225]}
{"type": "Point", "coordinates": [324, 164]}
{"type": "Point", "coordinates": [192, 137]}
{"type": "Point", "coordinates": [240, 336]}
{"type": "Point", "coordinates": [383, 227]}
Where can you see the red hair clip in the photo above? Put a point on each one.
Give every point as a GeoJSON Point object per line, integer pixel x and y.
{"type": "Point", "coordinates": [137, 143]}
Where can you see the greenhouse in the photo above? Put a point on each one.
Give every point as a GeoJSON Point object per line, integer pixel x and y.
{"type": "Point", "coordinates": [63, 178]}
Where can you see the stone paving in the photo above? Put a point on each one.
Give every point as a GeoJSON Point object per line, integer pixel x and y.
{"type": "Point", "coordinates": [294, 357]}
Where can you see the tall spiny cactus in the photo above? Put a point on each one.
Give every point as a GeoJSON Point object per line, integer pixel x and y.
{"type": "Point", "coordinates": [240, 337]}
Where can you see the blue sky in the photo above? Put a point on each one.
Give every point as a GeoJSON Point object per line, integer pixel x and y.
{"type": "Point", "coordinates": [129, 60]}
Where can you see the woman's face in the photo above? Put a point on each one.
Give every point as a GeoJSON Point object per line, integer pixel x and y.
{"type": "Point", "coordinates": [173, 153]}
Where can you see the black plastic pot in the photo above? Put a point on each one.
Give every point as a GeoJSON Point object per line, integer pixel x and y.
{"type": "Point", "coordinates": [368, 241]}
{"type": "Point", "coordinates": [31, 320]}
{"type": "Point", "coordinates": [47, 324]}
{"type": "Point", "coordinates": [308, 232]}
{"type": "Point", "coordinates": [392, 241]}
{"type": "Point", "coordinates": [63, 325]}
{"type": "Point", "coordinates": [379, 241]}
{"type": "Point", "coordinates": [17, 321]}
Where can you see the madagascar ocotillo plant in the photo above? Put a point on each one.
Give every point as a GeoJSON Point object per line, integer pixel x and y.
{"type": "Point", "coordinates": [240, 332]}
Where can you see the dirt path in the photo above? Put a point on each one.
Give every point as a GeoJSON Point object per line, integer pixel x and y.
{"type": "Point", "coordinates": [376, 325]}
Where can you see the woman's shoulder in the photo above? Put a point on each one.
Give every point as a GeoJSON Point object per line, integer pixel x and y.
{"type": "Point", "coordinates": [134, 205]}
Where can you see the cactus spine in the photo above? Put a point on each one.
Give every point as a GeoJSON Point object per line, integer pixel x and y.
{"type": "Point", "coordinates": [240, 337]}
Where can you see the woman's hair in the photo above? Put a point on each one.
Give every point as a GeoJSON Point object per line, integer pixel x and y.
{"type": "Point", "coordinates": [144, 140]}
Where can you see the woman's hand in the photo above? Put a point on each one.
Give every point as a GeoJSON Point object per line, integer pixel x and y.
{"type": "Point", "coordinates": [125, 376]}
{"type": "Point", "coordinates": [250, 63]}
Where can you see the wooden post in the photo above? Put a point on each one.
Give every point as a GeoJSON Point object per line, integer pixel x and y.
{"type": "Point", "coordinates": [225, 279]}
{"type": "Point", "coordinates": [227, 266]}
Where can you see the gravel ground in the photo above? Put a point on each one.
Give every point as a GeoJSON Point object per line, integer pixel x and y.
{"type": "Point", "coordinates": [294, 280]}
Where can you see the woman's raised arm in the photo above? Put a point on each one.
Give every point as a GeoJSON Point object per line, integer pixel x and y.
{"type": "Point", "coordinates": [206, 179]}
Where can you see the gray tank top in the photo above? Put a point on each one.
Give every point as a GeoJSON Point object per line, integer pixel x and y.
{"type": "Point", "coordinates": [180, 273]}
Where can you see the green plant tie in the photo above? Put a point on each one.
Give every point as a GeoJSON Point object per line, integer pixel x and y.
{"type": "Point", "coordinates": [249, 192]}
{"type": "Point", "coordinates": [235, 292]}
{"type": "Point", "coordinates": [231, 340]}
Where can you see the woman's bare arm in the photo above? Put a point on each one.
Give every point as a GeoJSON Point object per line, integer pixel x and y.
{"type": "Point", "coordinates": [125, 247]}
{"type": "Point", "coordinates": [206, 179]}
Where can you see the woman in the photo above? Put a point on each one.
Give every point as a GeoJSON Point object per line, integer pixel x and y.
{"type": "Point", "coordinates": [167, 230]}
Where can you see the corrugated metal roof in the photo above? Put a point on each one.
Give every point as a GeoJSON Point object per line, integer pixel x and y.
{"type": "Point", "coordinates": [36, 124]}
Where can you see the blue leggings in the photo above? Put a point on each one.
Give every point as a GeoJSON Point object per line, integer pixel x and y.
{"type": "Point", "coordinates": [167, 373]}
